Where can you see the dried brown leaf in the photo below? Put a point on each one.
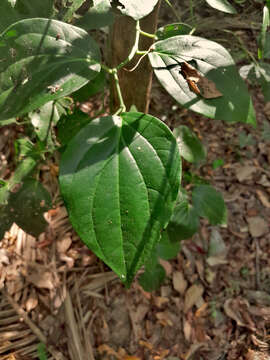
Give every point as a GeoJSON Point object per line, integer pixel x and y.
{"type": "Point", "coordinates": [193, 294]}
{"type": "Point", "coordinates": [179, 282]}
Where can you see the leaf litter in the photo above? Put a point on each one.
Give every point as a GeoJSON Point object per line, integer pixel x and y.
{"type": "Point", "coordinates": [214, 303]}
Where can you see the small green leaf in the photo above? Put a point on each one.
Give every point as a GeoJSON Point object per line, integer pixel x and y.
{"type": "Point", "coordinates": [166, 249]}
{"type": "Point", "coordinates": [172, 30]}
{"type": "Point", "coordinates": [117, 203]}
{"type": "Point", "coordinates": [190, 147]}
{"type": "Point", "coordinates": [24, 147]}
{"type": "Point", "coordinates": [213, 62]}
{"type": "Point", "coordinates": [137, 9]}
{"type": "Point", "coordinates": [184, 222]}
{"type": "Point", "coordinates": [152, 278]}
{"type": "Point", "coordinates": [222, 5]}
{"type": "Point", "coordinates": [43, 118]}
{"type": "Point", "coordinates": [217, 163]}
{"type": "Point", "coordinates": [41, 350]}
{"type": "Point", "coordinates": [26, 208]}
{"type": "Point", "coordinates": [43, 60]}
{"type": "Point", "coordinates": [245, 140]}
{"type": "Point", "coordinates": [209, 203]}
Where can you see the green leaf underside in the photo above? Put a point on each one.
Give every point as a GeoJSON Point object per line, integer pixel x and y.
{"type": "Point", "coordinates": [214, 62]}
{"type": "Point", "coordinates": [137, 9]}
{"type": "Point", "coordinates": [119, 178]}
{"type": "Point", "coordinates": [209, 203]}
{"type": "Point", "coordinates": [43, 60]}
{"type": "Point", "coordinates": [222, 5]}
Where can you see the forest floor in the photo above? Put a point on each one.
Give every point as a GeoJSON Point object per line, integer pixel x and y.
{"type": "Point", "coordinates": [215, 301]}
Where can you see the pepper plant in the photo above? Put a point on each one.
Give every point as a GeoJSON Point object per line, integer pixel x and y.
{"type": "Point", "coordinates": [119, 174]}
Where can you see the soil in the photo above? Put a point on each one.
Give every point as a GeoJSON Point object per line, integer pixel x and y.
{"type": "Point", "coordinates": [213, 305]}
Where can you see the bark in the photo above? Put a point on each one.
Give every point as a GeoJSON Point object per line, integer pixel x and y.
{"type": "Point", "coordinates": [135, 85]}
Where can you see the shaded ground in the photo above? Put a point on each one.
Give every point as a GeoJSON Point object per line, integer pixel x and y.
{"type": "Point", "coordinates": [215, 302]}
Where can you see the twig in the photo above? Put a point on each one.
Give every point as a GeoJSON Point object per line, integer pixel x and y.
{"type": "Point", "coordinates": [257, 265]}
{"type": "Point", "coordinates": [36, 331]}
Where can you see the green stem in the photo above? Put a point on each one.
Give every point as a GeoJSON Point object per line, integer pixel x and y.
{"type": "Point", "coordinates": [134, 48]}
{"type": "Point", "coordinates": [152, 36]}
{"type": "Point", "coordinates": [122, 106]}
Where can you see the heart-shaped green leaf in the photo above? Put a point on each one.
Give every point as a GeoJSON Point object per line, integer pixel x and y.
{"type": "Point", "coordinates": [43, 60]}
{"type": "Point", "coordinates": [214, 63]}
{"type": "Point", "coordinates": [119, 177]}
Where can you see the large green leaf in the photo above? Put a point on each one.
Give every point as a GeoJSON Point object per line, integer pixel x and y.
{"type": "Point", "coordinates": [212, 61]}
{"type": "Point", "coordinates": [137, 9]}
{"type": "Point", "coordinates": [43, 60]}
{"type": "Point", "coordinates": [209, 203]}
{"type": "Point", "coordinates": [10, 12]}
{"type": "Point", "coordinates": [119, 177]}
{"type": "Point", "coordinates": [190, 147]}
{"type": "Point", "coordinates": [222, 5]}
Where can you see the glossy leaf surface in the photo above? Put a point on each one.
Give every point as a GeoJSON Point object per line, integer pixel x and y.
{"type": "Point", "coordinates": [222, 5]}
{"type": "Point", "coordinates": [212, 61]}
{"type": "Point", "coordinates": [119, 177]}
{"type": "Point", "coordinates": [43, 60]}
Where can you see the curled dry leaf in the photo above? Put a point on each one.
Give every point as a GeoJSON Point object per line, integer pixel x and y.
{"type": "Point", "coordinates": [31, 302]}
{"type": "Point", "coordinates": [236, 309]}
{"type": "Point", "coordinates": [64, 244]}
{"type": "Point", "coordinates": [198, 83]}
